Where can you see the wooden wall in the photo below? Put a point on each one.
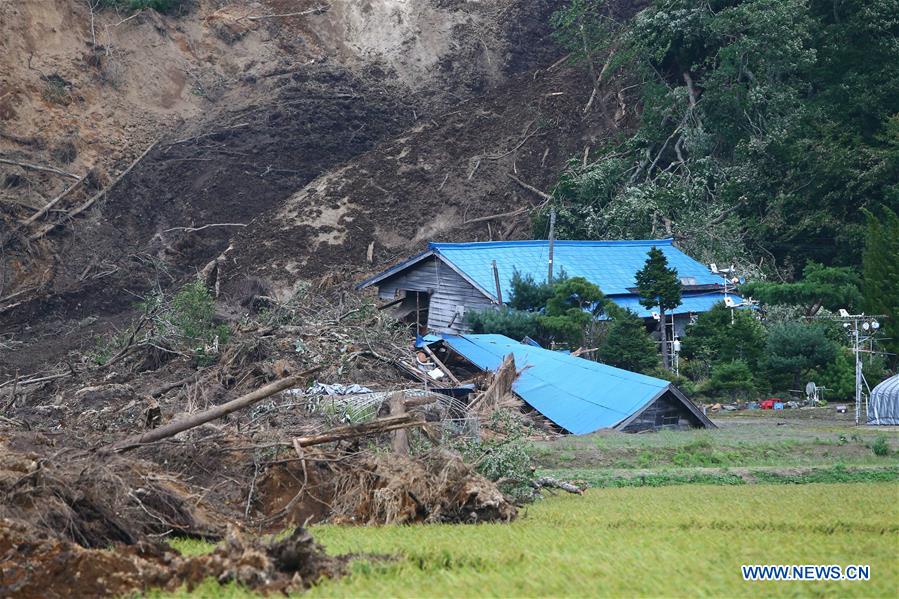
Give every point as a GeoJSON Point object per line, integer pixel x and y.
{"type": "Point", "coordinates": [448, 291]}
{"type": "Point", "coordinates": [666, 412]}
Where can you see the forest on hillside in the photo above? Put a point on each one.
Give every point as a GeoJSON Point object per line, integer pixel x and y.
{"type": "Point", "coordinates": [768, 129]}
{"type": "Point", "coordinates": [768, 134]}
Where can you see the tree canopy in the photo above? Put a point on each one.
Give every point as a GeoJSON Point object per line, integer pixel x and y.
{"type": "Point", "coordinates": [627, 345]}
{"type": "Point", "coordinates": [821, 286]}
{"type": "Point", "coordinates": [881, 274]}
{"type": "Point", "coordinates": [764, 127]}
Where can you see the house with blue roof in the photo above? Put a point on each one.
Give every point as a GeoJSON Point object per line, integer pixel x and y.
{"type": "Point", "coordinates": [578, 395]}
{"type": "Point", "coordinates": [438, 286]}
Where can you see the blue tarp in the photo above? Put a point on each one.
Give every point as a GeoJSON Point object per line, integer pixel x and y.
{"type": "Point", "coordinates": [579, 395]}
{"type": "Point", "coordinates": [610, 265]}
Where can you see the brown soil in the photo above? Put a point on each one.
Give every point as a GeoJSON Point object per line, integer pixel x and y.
{"type": "Point", "coordinates": [429, 183]}
{"type": "Point", "coordinates": [266, 108]}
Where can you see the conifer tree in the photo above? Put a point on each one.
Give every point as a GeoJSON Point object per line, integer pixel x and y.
{"type": "Point", "coordinates": [627, 345]}
{"type": "Point", "coordinates": [659, 287]}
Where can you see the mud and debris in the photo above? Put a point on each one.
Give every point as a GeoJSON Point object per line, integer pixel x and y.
{"type": "Point", "coordinates": [34, 564]}
{"type": "Point", "coordinates": [99, 500]}
{"type": "Point", "coordinates": [356, 487]}
{"type": "Point", "coordinates": [268, 149]}
{"type": "Point", "coordinates": [70, 490]}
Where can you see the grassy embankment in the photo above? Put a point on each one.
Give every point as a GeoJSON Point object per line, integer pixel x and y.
{"type": "Point", "coordinates": [749, 447]}
{"type": "Point", "coordinates": [671, 541]}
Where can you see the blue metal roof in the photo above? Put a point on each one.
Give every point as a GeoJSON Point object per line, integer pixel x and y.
{"type": "Point", "coordinates": [611, 265]}
{"type": "Point", "coordinates": [690, 302]}
{"type": "Point", "coordinates": [577, 394]}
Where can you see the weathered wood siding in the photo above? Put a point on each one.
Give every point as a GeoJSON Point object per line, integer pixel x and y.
{"type": "Point", "coordinates": [448, 291]}
{"type": "Point", "coordinates": [666, 412]}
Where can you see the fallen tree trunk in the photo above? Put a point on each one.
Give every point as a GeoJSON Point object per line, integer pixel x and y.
{"type": "Point", "coordinates": [381, 425]}
{"type": "Point", "coordinates": [39, 167]}
{"type": "Point", "coordinates": [553, 483]}
{"type": "Point", "coordinates": [173, 428]}
{"type": "Point", "coordinates": [499, 388]}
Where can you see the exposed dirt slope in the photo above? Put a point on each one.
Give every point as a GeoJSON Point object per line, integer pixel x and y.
{"type": "Point", "coordinates": [269, 105]}
{"type": "Point", "coordinates": [436, 181]}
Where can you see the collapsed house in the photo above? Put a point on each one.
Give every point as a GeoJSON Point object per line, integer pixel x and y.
{"type": "Point", "coordinates": [577, 395]}
{"type": "Point", "coordinates": [436, 288]}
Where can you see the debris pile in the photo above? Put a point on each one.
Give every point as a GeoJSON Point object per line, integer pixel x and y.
{"type": "Point", "coordinates": [98, 500]}
{"type": "Point", "coordinates": [276, 430]}
{"type": "Point", "coordinates": [33, 564]}
{"type": "Point", "coordinates": [388, 488]}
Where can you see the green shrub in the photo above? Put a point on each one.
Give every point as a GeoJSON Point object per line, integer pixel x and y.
{"type": "Point", "coordinates": [880, 447]}
{"type": "Point", "coordinates": [505, 459]}
{"type": "Point", "coordinates": [185, 323]}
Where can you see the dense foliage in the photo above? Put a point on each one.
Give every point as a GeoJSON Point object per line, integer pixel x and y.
{"type": "Point", "coordinates": [820, 287]}
{"type": "Point", "coordinates": [765, 127]}
{"type": "Point", "coordinates": [560, 314]}
{"type": "Point", "coordinates": [721, 336]}
{"type": "Point", "coordinates": [881, 275]}
{"type": "Point", "coordinates": [627, 345]}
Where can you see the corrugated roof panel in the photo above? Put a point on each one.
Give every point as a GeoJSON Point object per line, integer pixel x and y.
{"type": "Point", "coordinates": [611, 265]}
{"type": "Point", "coordinates": [579, 395]}
{"type": "Point", "coordinates": [698, 302]}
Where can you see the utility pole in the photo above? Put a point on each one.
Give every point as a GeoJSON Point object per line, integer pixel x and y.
{"type": "Point", "coordinates": [499, 291]}
{"type": "Point", "coordinates": [856, 346]}
{"type": "Point", "coordinates": [552, 240]}
{"type": "Point", "coordinates": [665, 361]}
{"type": "Point", "coordinates": [861, 329]}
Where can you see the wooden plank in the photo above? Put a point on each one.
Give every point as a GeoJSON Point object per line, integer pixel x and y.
{"type": "Point", "coordinates": [441, 365]}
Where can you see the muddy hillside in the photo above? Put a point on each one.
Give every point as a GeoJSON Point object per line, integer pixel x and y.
{"type": "Point", "coordinates": [283, 139]}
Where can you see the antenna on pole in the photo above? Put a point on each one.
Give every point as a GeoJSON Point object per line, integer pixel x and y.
{"type": "Point", "coordinates": [552, 239]}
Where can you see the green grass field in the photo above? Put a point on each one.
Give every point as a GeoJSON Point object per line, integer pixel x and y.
{"type": "Point", "coordinates": [651, 541]}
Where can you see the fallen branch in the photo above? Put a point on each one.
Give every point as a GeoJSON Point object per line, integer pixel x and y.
{"type": "Point", "coordinates": [441, 365]}
{"type": "Point", "coordinates": [499, 388]}
{"type": "Point", "coordinates": [163, 389]}
{"type": "Point", "coordinates": [495, 216]}
{"type": "Point", "coordinates": [42, 379]}
{"type": "Point", "coordinates": [375, 427]}
{"type": "Point", "coordinates": [72, 214]}
{"type": "Point", "coordinates": [521, 143]}
{"type": "Point", "coordinates": [531, 188]}
{"type": "Point", "coordinates": [54, 201]}
{"type": "Point", "coordinates": [311, 11]}
{"type": "Point", "coordinates": [40, 167]}
{"type": "Point", "coordinates": [173, 428]}
{"type": "Point", "coordinates": [192, 229]}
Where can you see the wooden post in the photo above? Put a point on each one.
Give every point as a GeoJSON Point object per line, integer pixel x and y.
{"type": "Point", "coordinates": [552, 240]}
{"type": "Point", "coordinates": [400, 437]}
{"type": "Point", "coordinates": [664, 338]}
{"type": "Point", "coordinates": [499, 291]}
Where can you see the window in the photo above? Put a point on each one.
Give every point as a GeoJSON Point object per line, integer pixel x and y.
{"type": "Point", "coordinates": [688, 281]}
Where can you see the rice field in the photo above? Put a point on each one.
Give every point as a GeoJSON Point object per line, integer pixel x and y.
{"type": "Point", "coordinates": [672, 541]}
